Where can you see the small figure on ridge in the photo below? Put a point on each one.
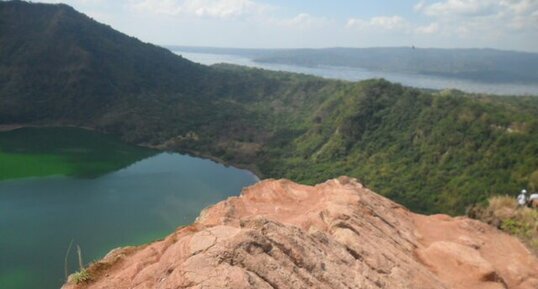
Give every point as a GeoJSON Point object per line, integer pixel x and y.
{"type": "Point", "coordinates": [522, 198]}
{"type": "Point", "coordinates": [533, 200]}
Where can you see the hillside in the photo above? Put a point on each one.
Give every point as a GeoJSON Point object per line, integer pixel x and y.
{"type": "Point", "coordinates": [58, 64]}
{"type": "Point", "coordinates": [338, 234]}
{"type": "Point", "coordinates": [431, 151]}
{"type": "Point", "coordinates": [416, 148]}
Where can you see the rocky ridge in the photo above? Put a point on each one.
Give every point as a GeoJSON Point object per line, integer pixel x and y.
{"type": "Point", "coordinates": [279, 234]}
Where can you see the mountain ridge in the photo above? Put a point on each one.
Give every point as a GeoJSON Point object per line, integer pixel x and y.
{"type": "Point", "coordinates": [58, 50]}
{"type": "Point", "coordinates": [338, 234]}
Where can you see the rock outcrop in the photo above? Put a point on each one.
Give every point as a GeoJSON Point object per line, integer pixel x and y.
{"type": "Point", "coordinates": [279, 234]}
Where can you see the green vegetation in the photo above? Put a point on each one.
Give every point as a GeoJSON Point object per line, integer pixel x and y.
{"type": "Point", "coordinates": [504, 213]}
{"type": "Point", "coordinates": [431, 151]}
{"type": "Point", "coordinates": [81, 276]}
{"type": "Point", "coordinates": [31, 152]}
{"type": "Point", "coordinates": [60, 65]}
{"type": "Point", "coordinates": [533, 181]}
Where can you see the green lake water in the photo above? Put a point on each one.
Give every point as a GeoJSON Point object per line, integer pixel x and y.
{"type": "Point", "coordinates": [113, 195]}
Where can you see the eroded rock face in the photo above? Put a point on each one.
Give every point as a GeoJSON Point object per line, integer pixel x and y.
{"type": "Point", "coordinates": [338, 234]}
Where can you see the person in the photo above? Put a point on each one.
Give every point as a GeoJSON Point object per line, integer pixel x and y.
{"type": "Point", "coordinates": [533, 200]}
{"type": "Point", "coordinates": [522, 198]}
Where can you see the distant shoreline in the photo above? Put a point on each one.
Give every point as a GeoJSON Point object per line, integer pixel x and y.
{"type": "Point", "coordinates": [11, 127]}
{"type": "Point", "coordinates": [251, 169]}
{"type": "Point", "coordinates": [347, 72]}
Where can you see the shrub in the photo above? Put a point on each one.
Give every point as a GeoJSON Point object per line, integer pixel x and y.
{"type": "Point", "coordinates": [81, 276]}
{"type": "Point", "coordinates": [504, 213]}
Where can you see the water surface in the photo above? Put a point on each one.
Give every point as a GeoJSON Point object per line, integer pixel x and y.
{"type": "Point", "coordinates": [356, 74]}
{"type": "Point", "coordinates": [145, 201]}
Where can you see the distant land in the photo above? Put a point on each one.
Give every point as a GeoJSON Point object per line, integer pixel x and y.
{"type": "Point", "coordinates": [481, 65]}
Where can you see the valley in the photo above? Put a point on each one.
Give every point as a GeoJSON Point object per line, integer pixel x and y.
{"type": "Point", "coordinates": [305, 128]}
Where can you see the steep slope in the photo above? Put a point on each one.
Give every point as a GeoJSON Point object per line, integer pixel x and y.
{"type": "Point", "coordinates": [432, 151]}
{"type": "Point", "coordinates": [338, 234]}
{"type": "Point", "coordinates": [417, 148]}
{"type": "Point", "coordinates": [58, 64]}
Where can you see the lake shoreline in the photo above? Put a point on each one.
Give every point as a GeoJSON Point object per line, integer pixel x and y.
{"type": "Point", "coordinates": [15, 126]}
{"type": "Point", "coordinates": [252, 169]}
{"type": "Point", "coordinates": [149, 194]}
{"type": "Point", "coordinates": [10, 127]}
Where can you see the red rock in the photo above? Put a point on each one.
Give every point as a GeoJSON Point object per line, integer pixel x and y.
{"type": "Point", "coordinates": [338, 234]}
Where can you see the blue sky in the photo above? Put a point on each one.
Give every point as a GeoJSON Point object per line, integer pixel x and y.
{"type": "Point", "coordinates": [348, 8]}
{"type": "Point", "coordinates": [503, 24]}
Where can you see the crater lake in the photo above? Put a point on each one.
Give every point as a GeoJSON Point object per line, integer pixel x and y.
{"type": "Point", "coordinates": [63, 185]}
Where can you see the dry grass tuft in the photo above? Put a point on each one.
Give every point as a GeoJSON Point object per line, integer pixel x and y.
{"type": "Point", "coordinates": [504, 213]}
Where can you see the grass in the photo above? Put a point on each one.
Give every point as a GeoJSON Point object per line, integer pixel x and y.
{"type": "Point", "coordinates": [504, 213]}
{"type": "Point", "coordinates": [81, 276]}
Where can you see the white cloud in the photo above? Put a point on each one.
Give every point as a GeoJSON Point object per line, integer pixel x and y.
{"type": "Point", "coordinates": [302, 21]}
{"type": "Point", "coordinates": [380, 22]}
{"type": "Point", "coordinates": [520, 7]}
{"type": "Point", "coordinates": [167, 7]}
{"type": "Point", "coordinates": [475, 14]}
{"type": "Point", "coordinates": [428, 29]}
{"type": "Point", "coordinates": [506, 24]}
{"type": "Point", "coordinates": [482, 22]}
{"type": "Point", "coordinates": [394, 22]}
{"type": "Point", "coordinates": [73, 1]}
{"type": "Point", "coordinates": [203, 8]}
{"type": "Point", "coordinates": [457, 7]}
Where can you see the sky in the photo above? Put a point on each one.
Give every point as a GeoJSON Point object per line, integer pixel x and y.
{"type": "Point", "coordinates": [501, 24]}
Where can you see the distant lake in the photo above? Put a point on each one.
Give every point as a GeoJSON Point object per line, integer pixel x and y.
{"type": "Point", "coordinates": [355, 74]}
{"type": "Point", "coordinates": [141, 202]}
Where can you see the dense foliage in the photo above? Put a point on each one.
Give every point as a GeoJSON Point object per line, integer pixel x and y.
{"type": "Point", "coordinates": [432, 151]}
{"type": "Point", "coordinates": [58, 64]}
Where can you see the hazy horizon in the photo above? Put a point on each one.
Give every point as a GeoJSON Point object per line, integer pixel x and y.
{"type": "Point", "coordinates": [167, 45]}
{"type": "Point", "coordinates": [273, 24]}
